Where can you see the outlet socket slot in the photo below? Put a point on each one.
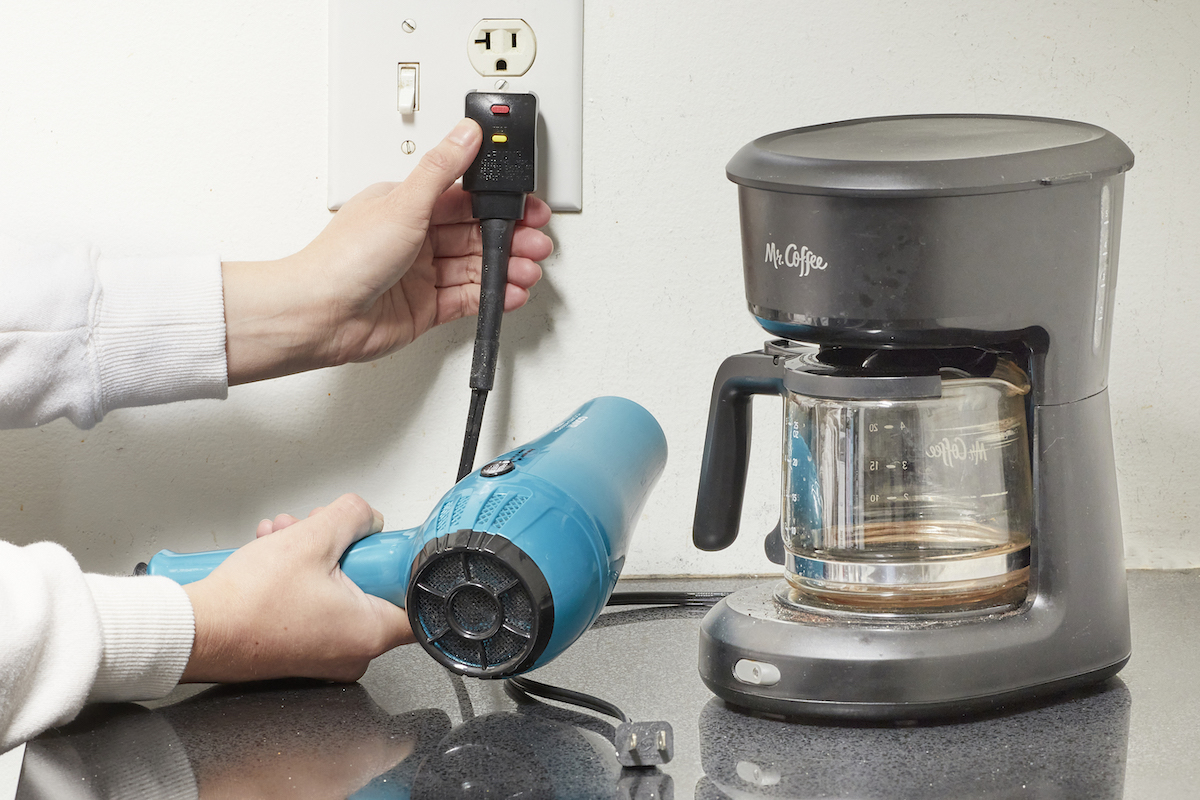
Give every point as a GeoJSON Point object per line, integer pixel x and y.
{"type": "Point", "coordinates": [502, 48]}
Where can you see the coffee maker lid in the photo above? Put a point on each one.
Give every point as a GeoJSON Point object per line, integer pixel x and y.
{"type": "Point", "coordinates": [929, 156]}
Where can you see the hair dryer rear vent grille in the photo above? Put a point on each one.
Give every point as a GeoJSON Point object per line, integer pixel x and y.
{"type": "Point", "coordinates": [480, 604]}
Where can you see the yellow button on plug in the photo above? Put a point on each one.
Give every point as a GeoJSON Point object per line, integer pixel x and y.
{"type": "Point", "coordinates": [499, 138]}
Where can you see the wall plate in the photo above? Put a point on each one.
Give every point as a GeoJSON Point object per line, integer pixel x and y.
{"type": "Point", "coordinates": [371, 140]}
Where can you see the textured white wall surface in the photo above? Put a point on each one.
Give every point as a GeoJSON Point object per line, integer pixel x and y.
{"type": "Point", "coordinates": [159, 126]}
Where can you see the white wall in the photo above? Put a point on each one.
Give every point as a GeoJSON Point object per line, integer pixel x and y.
{"type": "Point", "coordinates": [150, 126]}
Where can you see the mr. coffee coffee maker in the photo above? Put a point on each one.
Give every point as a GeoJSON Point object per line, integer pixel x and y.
{"type": "Point", "coordinates": [942, 290]}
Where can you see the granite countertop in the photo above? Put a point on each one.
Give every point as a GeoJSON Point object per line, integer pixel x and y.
{"type": "Point", "coordinates": [410, 729]}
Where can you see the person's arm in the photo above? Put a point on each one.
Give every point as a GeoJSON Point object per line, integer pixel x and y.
{"type": "Point", "coordinates": [67, 638]}
{"type": "Point", "coordinates": [82, 334]}
{"type": "Point", "coordinates": [278, 607]}
{"type": "Point", "coordinates": [394, 262]}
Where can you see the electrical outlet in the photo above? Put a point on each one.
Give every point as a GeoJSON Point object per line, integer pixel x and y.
{"type": "Point", "coordinates": [503, 48]}
{"type": "Point", "coordinates": [399, 71]}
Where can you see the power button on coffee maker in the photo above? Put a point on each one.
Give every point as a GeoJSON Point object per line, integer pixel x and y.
{"type": "Point", "coordinates": [759, 673]}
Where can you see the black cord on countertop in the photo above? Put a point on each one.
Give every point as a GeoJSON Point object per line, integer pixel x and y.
{"type": "Point", "coordinates": [526, 687]}
{"type": "Point", "coordinates": [686, 599]}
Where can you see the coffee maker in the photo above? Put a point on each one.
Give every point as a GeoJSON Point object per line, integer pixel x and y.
{"type": "Point", "coordinates": [940, 293]}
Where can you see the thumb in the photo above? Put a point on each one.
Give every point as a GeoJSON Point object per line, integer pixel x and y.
{"type": "Point", "coordinates": [443, 165]}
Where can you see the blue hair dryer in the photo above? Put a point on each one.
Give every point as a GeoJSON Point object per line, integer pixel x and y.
{"type": "Point", "coordinates": [520, 557]}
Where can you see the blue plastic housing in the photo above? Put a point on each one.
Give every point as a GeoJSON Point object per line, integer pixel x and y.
{"type": "Point", "coordinates": [569, 502]}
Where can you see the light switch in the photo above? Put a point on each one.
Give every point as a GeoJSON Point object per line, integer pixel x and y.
{"type": "Point", "coordinates": [399, 71]}
{"type": "Point", "coordinates": [406, 101]}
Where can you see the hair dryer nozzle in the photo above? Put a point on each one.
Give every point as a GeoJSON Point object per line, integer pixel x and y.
{"type": "Point", "coordinates": [521, 556]}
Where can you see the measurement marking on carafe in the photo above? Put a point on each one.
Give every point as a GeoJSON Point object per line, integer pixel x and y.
{"type": "Point", "coordinates": [888, 427]}
{"type": "Point", "coordinates": [994, 494]}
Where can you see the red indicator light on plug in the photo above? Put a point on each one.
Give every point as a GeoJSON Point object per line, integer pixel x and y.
{"type": "Point", "coordinates": [499, 109]}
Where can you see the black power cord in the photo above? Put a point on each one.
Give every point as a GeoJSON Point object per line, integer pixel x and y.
{"type": "Point", "coordinates": [497, 237]}
{"type": "Point", "coordinates": [526, 687]}
{"type": "Point", "coordinates": [638, 744]}
{"type": "Point", "coordinates": [503, 173]}
{"type": "Point", "coordinates": [679, 599]}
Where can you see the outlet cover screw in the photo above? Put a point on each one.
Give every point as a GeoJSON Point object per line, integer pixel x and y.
{"type": "Point", "coordinates": [501, 84]}
{"type": "Point", "coordinates": [408, 26]}
{"type": "Point", "coordinates": [408, 147]}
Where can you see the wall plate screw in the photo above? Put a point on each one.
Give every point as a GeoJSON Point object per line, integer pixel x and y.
{"type": "Point", "coordinates": [408, 26]}
{"type": "Point", "coordinates": [408, 147]}
{"type": "Point", "coordinates": [501, 84]}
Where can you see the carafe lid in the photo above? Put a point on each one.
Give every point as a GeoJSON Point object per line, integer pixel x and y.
{"type": "Point", "coordinates": [929, 156]}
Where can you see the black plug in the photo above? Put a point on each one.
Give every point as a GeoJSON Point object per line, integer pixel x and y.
{"type": "Point", "coordinates": [504, 171]}
{"type": "Point", "coordinates": [506, 168]}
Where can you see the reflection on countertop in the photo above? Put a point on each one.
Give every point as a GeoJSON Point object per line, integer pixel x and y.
{"type": "Point", "coordinates": [303, 739]}
{"type": "Point", "coordinates": [1072, 747]}
{"type": "Point", "coordinates": [409, 729]}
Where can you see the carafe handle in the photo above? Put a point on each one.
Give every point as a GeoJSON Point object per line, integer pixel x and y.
{"type": "Point", "coordinates": [726, 456]}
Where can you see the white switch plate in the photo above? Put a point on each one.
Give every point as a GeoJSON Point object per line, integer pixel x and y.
{"type": "Point", "coordinates": [369, 39]}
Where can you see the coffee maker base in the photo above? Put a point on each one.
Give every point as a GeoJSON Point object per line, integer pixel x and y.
{"type": "Point", "coordinates": [762, 656]}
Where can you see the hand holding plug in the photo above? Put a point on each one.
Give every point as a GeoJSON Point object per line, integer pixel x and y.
{"type": "Point", "coordinates": [503, 174]}
{"type": "Point", "coordinates": [395, 261]}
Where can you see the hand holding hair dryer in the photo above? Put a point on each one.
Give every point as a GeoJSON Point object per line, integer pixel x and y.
{"type": "Point", "coordinates": [519, 558]}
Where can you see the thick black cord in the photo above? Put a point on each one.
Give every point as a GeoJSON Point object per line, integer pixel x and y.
{"type": "Point", "coordinates": [466, 462]}
{"type": "Point", "coordinates": [528, 686]}
{"type": "Point", "coordinates": [688, 599]}
{"type": "Point", "coordinates": [496, 235]}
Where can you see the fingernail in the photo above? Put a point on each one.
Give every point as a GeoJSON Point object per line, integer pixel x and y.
{"type": "Point", "coordinates": [462, 132]}
{"type": "Point", "coordinates": [376, 521]}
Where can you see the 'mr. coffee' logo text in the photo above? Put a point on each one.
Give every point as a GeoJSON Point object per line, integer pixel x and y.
{"type": "Point", "coordinates": [795, 257]}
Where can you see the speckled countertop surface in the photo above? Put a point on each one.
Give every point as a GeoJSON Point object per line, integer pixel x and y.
{"type": "Point", "coordinates": [409, 730]}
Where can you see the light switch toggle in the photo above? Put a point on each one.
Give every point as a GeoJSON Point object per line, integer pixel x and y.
{"type": "Point", "coordinates": [407, 98]}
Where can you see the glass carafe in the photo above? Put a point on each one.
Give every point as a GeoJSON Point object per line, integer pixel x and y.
{"type": "Point", "coordinates": [909, 506]}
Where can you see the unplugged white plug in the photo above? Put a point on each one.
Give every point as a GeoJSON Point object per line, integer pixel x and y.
{"type": "Point", "coordinates": [502, 47]}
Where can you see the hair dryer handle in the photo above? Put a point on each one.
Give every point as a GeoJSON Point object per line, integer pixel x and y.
{"type": "Point", "coordinates": [378, 564]}
{"type": "Point", "coordinates": [727, 445]}
{"type": "Point", "coordinates": [185, 568]}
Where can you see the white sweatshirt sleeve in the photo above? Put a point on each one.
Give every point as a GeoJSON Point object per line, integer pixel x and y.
{"type": "Point", "coordinates": [82, 334]}
{"type": "Point", "coordinates": [67, 638]}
